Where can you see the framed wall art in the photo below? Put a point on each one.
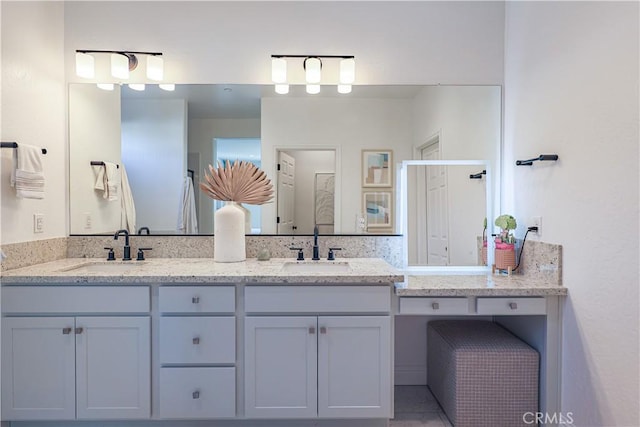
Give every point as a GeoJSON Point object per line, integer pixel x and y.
{"type": "Point", "coordinates": [377, 207]}
{"type": "Point", "coordinates": [377, 168]}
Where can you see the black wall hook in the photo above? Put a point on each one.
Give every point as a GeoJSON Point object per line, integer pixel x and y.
{"type": "Point", "coordinates": [15, 145]}
{"type": "Point", "coordinates": [542, 157]}
{"type": "Point", "coordinates": [478, 175]}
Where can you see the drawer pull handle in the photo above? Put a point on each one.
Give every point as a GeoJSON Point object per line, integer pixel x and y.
{"type": "Point", "coordinates": [196, 340]}
{"type": "Point", "coordinates": [323, 330]}
{"type": "Point", "coordinates": [66, 331]}
{"type": "Point", "coordinates": [312, 330]}
{"type": "Point", "coordinates": [195, 394]}
{"type": "Point", "coordinates": [79, 331]}
{"type": "Point", "coordinates": [195, 300]}
{"type": "Point", "coordinates": [435, 306]}
{"type": "Point", "coordinates": [513, 306]}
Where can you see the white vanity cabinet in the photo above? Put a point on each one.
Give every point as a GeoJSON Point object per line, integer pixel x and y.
{"type": "Point", "coordinates": [318, 351]}
{"type": "Point", "coordinates": [71, 352]}
{"type": "Point", "coordinates": [197, 352]}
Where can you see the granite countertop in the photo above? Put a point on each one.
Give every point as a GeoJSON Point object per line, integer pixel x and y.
{"type": "Point", "coordinates": [200, 271]}
{"type": "Point", "coordinates": [476, 285]}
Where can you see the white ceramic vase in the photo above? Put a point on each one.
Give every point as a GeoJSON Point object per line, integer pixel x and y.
{"type": "Point", "coordinates": [228, 231]}
{"type": "Point", "coordinates": [247, 218]}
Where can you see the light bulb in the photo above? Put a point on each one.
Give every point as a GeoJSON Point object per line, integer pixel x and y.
{"type": "Point", "coordinates": [312, 70]}
{"type": "Point", "coordinates": [105, 86]}
{"type": "Point", "coordinates": [313, 89]}
{"type": "Point", "coordinates": [347, 71]}
{"type": "Point", "coordinates": [119, 66]}
{"type": "Point", "coordinates": [279, 70]}
{"type": "Point", "coordinates": [136, 86]}
{"type": "Point", "coordinates": [85, 65]}
{"type": "Point", "coordinates": [344, 88]}
{"type": "Point", "coordinates": [155, 67]}
{"type": "Point", "coordinates": [167, 86]}
{"type": "Point", "coordinates": [282, 89]}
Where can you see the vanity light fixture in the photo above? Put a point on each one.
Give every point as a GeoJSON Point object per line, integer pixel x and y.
{"type": "Point", "coordinates": [122, 62]}
{"type": "Point", "coordinates": [312, 65]}
{"type": "Point", "coordinates": [105, 86]}
{"type": "Point", "coordinates": [137, 86]}
{"type": "Point", "coordinates": [541, 157]}
{"type": "Point", "coordinates": [169, 87]}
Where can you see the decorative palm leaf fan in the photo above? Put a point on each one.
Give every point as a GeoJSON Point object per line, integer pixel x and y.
{"type": "Point", "coordinates": [240, 182]}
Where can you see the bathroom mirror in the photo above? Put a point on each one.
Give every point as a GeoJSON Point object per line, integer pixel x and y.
{"type": "Point", "coordinates": [442, 209]}
{"type": "Point", "coordinates": [177, 131]}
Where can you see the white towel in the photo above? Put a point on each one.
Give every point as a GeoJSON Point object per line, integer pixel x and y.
{"type": "Point", "coordinates": [27, 175]}
{"type": "Point", "coordinates": [187, 217]}
{"type": "Point", "coordinates": [128, 211]}
{"type": "Point", "coordinates": [108, 181]}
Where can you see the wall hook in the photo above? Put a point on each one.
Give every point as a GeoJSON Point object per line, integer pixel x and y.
{"type": "Point", "coordinates": [478, 175]}
{"type": "Point", "coordinates": [542, 157]}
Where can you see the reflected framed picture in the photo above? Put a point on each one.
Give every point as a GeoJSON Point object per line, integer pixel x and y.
{"type": "Point", "coordinates": [377, 207]}
{"type": "Point", "coordinates": [377, 168]}
{"type": "Point", "coordinates": [324, 190]}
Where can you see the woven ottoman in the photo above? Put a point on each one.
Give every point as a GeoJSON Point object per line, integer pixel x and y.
{"type": "Point", "coordinates": [481, 374]}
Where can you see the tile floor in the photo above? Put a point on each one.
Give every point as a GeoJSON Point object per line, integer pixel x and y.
{"type": "Point", "coordinates": [415, 406]}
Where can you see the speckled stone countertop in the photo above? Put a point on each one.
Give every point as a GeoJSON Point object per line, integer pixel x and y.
{"type": "Point", "coordinates": [476, 285]}
{"type": "Point", "coordinates": [199, 271]}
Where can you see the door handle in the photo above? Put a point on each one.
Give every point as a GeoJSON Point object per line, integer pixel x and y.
{"type": "Point", "coordinates": [196, 394]}
{"type": "Point", "coordinates": [79, 331]}
{"type": "Point", "coordinates": [196, 340]}
{"type": "Point", "coordinates": [312, 330]}
{"type": "Point", "coordinates": [513, 306]}
{"type": "Point", "coordinates": [435, 306]}
{"type": "Point", "coordinates": [66, 331]}
{"type": "Point", "coordinates": [195, 300]}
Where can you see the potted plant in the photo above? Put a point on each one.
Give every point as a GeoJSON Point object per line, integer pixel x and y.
{"type": "Point", "coordinates": [505, 253]}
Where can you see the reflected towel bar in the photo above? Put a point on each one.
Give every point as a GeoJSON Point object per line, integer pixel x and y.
{"type": "Point", "coordinates": [478, 175]}
{"type": "Point", "coordinates": [543, 157]}
{"type": "Point", "coordinates": [15, 145]}
{"type": "Point", "coordinates": [100, 163]}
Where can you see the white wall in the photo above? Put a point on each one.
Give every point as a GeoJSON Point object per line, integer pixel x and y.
{"type": "Point", "coordinates": [345, 124]}
{"type": "Point", "coordinates": [94, 134]}
{"type": "Point", "coordinates": [34, 113]}
{"type": "Point", "coordinates": [201, 135]}
{"type": "Point", "coordinates": [231, 42]}
{"type": "Point", "coordinates": [154, 151]}
{"type": "Point", "coordinates": [571, 88]}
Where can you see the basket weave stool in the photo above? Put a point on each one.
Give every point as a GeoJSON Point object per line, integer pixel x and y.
{"type": "Point", "coordinates": [481, 374]}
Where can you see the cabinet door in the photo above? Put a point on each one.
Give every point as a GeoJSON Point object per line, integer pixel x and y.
{"type": "Point", "coordinates": [354, 367]}
{"type": "Point", "coordinates": [280, 367]}
{"type": "Point", "coordinates": [113, 367]}
{"type": "Point", "coordinates": [38, 368]}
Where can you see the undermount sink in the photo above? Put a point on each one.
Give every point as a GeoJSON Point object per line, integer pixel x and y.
{"type": "Point", "coordinates": [316, 267]}
{"type": "Point", "coordinates": [104, 267]}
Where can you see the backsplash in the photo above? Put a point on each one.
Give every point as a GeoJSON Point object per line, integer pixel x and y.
{"type": "Point", "coordinates": [35, 252]}
{"type": "Point", "coordinates": [542, 261]}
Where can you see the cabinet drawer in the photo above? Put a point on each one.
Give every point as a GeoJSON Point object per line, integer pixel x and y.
{"type": "Point", "coordinates": [317, 299]}
{"type": "Point", "coordinates": [75, 299]}
{"type": "Point", "coordinates": [434, 305]}
{"type": "Point", "coordinates": [197, 299]}
{"type": "Point", "coordinates": [185, 340]}
{"type": "Point", "coordinates": [512, 306]}
{"type": "Point", "coordinates": [197, 393]}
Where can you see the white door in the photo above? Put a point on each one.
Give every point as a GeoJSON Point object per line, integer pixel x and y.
{"type": "Point", "coordinates": [436, 209]}
{"type": "Point", "coordinates": [38, 368]}
{"type": "Point", "coordinates": [113, 367]}
{"type": "Point", "coordinates": [286, 193]}
{"type": "Point", "coordinates": [354, 367]}
{"type": "Point", "coordinates": [280, 367]}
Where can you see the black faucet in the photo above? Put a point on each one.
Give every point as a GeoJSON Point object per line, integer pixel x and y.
{"type": "Point", "coordinates": [316, 251]}
{"type": "Point", "coordinates": [141, 229]}
{"type": "Point", "coordinates": [127, 249]}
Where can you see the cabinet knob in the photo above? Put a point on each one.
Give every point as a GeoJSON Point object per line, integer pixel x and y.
{"type": "Point", "coordinates": [312, 330]}
{"type": "Point", "coordinates": [196, 394]}
{"type": "Point", "coordinates": [323, 330]}
{"type": "Point", "coordinates": [66, 331]}
{"type": "Point", "coordinates": [79, 331]}
{"type": "Point", "coordinates": [435, 306]}
{"type": "Point", "coordinates": [196, 340]}
{"type": "Point", "coordinates": [195, 300]}
{"type": "Point", "coordinates": [513, 306]}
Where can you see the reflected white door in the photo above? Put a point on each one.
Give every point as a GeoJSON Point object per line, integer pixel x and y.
{"type": "Point", "coordinates": [437, 212]}
{"type": "Point", "coordinates": [286, 192]}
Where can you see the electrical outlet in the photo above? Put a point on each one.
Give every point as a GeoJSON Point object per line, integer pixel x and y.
{"type": "Point", "coordinates": [87, 220]}
{"type": "Point", "coordinates": [536, 221]}
{"type": "Point", "coordinates": [38, 223]}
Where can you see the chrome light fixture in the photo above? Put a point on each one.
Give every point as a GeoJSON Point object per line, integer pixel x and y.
{"type": "Point", "coordinates": [122, 62]}
{"type": "Point", "coordinates": [312, 65]}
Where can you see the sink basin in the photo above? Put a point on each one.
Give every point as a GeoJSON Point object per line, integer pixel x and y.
{"type": "Point", "coordinates": [316, 267]}
{"type": "Point", "coordinates": [104, 267]}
